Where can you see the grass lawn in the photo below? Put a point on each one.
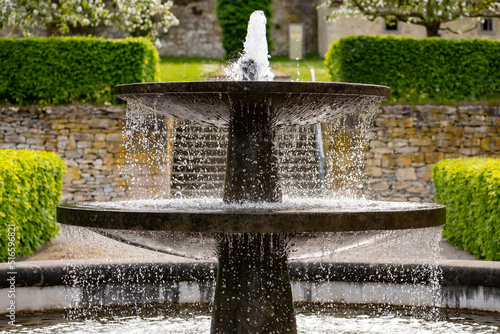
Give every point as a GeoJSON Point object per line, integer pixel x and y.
{"type": "Point", "coordinates": [188, 69]}
{"type": "Point", "coordinates": [198, 69]}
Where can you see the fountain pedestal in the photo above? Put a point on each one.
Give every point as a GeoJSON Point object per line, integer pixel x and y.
{"type": "Point", "coordinates": [253, 292]}
{"type": "Point", "coordinates": [252, 160]}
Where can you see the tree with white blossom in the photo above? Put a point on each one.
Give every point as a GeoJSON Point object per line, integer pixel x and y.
{"type": "Point", "coordinates": [432, 14]}
{"type": "Point", "coordinates": [137, 17]}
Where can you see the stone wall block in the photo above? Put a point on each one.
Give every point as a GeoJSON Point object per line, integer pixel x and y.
{"type": "Point", "coordinates": [114, 147]}
{"type": "Point", "coordinates": [406, 174]}
{"type": "Point", "coordinates": [385, 122]}
{"type": "Point", "coordinates": [373, 171]}
{"type": "Point", "coordinates": [62, 142]}
{"type": "Point", "coordinates": [424, 173]}
{"type": "Point", "coordinates": [389, 161]}
{"type": "Point", "coordinates": [14, 139]}
{"type": "Point", "coordinates": [433, 157]}
{"type": "Point", "coordinates": [398, 132]}
{"type": "Point", "coordinates": [382, 150]}
{"type": "Point", "coordinates": [83, 144]}
{"type": "Point", "coordinates": [31, 141]}
{"type": "Point", "coordinates": [117, 136]}
{"type": "Point", "coordinates": [396, 143]}
{"type": "Point", "coordinates": [406, 150]}
{"type": "Point", "coordinates": [379, 186]}
{"type": "Point", "coordinates": [419, 141]}
{"type": "Point", "coordinates": [402, 185]}
{"type": "Point", "coordinates": [100, 144]}
{"type": "Point", "coordinates": [377, 143]}
{"type": "Point", "coordinates": [469, 151]}
{"type": "Point", "coordinates": [82, 136]}
{"type": "Point", "coordinates": [416, 157]}
{"type": "Point", "coordinates": [419, 189]}
{"type": "Point", "coordinates": [406, 122]}
{"type": "Point", "coordinates": [100, 137]}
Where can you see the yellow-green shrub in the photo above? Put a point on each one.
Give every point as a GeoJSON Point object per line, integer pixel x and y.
{"type": "Point", "coordinates": [470, 189]}
{"type": "Point", "coordinates": [30, 189]}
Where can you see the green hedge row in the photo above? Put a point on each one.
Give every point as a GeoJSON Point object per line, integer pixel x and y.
{"type": "Point", "coordinates": [30, 189]}
{"type": "Point", "coordinates": [470, 189]}
{"type": "Point", "coordinates": [60, 70]}
{"type": "Point", "coordinates": [419, 70]}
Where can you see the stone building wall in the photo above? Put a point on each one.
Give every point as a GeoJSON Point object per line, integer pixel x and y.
{"type": "Point", "coordinates": [199, 34]}
{"type": "Point", "coordinates": [328, 31]}
{"type": "Point", "coordinates": [286, 12]}
{"type": "Point", "coordinates": [404, 144]}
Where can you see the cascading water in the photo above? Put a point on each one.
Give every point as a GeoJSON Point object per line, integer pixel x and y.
{"type": "Point", "coordinates": [252, 226]}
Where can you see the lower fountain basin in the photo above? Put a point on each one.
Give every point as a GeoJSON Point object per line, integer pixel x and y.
{"type": "Point", "coordinates": [213, 216]}
{"type": "Point", "coordinates": [190, 228]}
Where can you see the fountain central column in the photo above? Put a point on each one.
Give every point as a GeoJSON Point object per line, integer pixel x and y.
{"type": "Point", "coordinates": [253, 292]}
{"type": "Point", "coordinates": [252, 163]}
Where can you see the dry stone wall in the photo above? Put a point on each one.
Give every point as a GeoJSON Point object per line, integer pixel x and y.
{"type": "Point", "coordinates": [88, 139]}
{"type": "Point", "coordinates": [407, 141]}
{"type": "Point", "coordinates": [404, 144]}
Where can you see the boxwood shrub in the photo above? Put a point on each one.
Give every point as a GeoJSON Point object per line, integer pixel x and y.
{"type": "Point", "coordinates": [59, 70]}
{"type": "Point", "coordinates": [470, 189]}
{"type": "Point", "coordinates": [30, 189]}
{"type": "Point", "coordinates": [419, 70]}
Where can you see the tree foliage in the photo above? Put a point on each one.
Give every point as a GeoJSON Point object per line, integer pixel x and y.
{"type": "Point", "coordinates": [139, 18]}
{"type": "Point", "coordinates": [432, 14]}
{"type": "Point", "coordinates": [233, 16]}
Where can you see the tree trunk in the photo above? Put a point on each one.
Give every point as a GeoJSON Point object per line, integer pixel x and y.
{"type": "Point", "coordinates": [51, 30]}
{"type": "Point", "coordinates": [433, 29]}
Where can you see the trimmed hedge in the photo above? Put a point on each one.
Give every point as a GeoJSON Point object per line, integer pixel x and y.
{"type": "Point", "coordinates": [59, 70]}
{"type": "Point", "coordinates": [470, 189]}
{"type": "Point", "coordinates": [419, 70]}
{"type": "Point", "coordinates": [30, 189]}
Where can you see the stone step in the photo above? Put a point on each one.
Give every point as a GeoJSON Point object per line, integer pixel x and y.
{"type": "Point", "coordinates": [200, 158]}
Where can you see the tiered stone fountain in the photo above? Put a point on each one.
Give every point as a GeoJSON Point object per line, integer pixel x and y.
{"type": "Point", "coordinates": [253, 293]}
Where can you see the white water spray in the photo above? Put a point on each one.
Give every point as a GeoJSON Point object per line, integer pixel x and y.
{"type": "Point", "coordinates": [254, 62]}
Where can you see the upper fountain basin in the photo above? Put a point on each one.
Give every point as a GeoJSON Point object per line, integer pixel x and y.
{"type": "Point", "coordinates": [214, 103]}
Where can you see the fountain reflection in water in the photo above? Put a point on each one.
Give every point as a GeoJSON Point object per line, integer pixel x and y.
{"type": "Point", "coordinates": [252, 229]}
{"type": "Point", "coordinates": [325, 323]}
